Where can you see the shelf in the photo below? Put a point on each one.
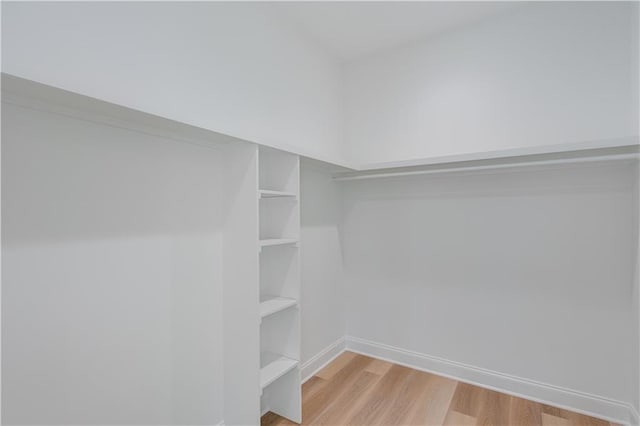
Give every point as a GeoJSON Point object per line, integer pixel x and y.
{"type": "Point", "coordinates": [277, 241]}
{"type": "Point", "coordinates": [279, 281]}
{"type": "Point", "coordinates": [624, 149]}
{"type": "Point", "coordinates": [511, 153]}
{"type": "Point", "coordinates": [273, 367]}
{"type": "Point", "coordinates": [275, 304]}
{"type": "Point", "coordinates": [268, 193]}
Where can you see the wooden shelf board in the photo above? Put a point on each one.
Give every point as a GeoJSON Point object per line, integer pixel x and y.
{"type": "Point", "coordinates": [272, 305]}
{"type": "Point", "coordinates": [274, 366]}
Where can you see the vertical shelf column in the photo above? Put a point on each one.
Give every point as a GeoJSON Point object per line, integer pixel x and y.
{"type": "Point", "coordinates": [241, 287]}
{"type": "Point", "coordinates": [279, 272]}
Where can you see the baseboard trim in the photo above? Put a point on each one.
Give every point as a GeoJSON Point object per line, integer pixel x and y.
{"type": "Point", "coordinates": [635, 416]}
{"type": "Point", "coordinates": [592, 405]}
{"type": "Point", "coordinates": [321, 359]}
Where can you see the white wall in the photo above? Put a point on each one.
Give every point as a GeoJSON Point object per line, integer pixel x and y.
{"type": "Point", "coordinates": [111, 275]}
{"type": "Point", "coordinates": [233, 68]}
{"type": "Point", "coordinates": [542, 74]}
{"type": "Point", "coordinates": [524, 273]}
{"type": "Point", "coordinates": [636, 399]}
{"type": "Point", "coordinates": [323, 302]}
{"type": "Point", "coordinates": [636, 297]}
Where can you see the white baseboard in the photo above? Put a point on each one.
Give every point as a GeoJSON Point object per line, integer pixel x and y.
{"type": "Point", "coordinates": [320, 360]}
{"type": "Point", "coordinates": [593, 405]}
{"type": "Point", "coordinates": [635, 416]}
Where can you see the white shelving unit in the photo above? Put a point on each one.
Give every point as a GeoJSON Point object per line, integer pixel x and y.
{"type": "Point", "coordinates": [279, 276]}
{"type": "Point", "coordinates": [241, 295]}
{"type": "Point", "coordinates": [272, 305]}
{"type": "Point", "coordinates": [269, 193]}
{"type": "Point", "coordinates": [274, 366]}
{"type": "Point", "coordinates": [277, 241]}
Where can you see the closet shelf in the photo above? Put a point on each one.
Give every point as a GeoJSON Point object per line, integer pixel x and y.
{"type": "Point", "coordinates": [626, 149]}
{"type": "Point", "coordinates": [273, 367]}
{"type": "Point", "coordinates": [268, 193]}
{"type": "Point", "coordinates": [277, 241]}
{"type": "Point", "coordinates": [275, 304]}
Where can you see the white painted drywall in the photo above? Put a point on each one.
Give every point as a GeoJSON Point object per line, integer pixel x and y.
{"type": "Point", "coordinates": [233, 68]}
{"type": "Point", "coordinates": [636, 353]}
{"type": "Point", "coordinates": [635, 401]}
{"type": "Point", "coordinates": [535, 75]}
{"type": "Point", "coordinates": [527, 273]}
{"type": "Point", "coordinates": [350, 30]}
{"type": "Point", "coordinates": [323, 292]}
{"type": "Point", "coordinates": [111, 275]}
{"type": "Point", "coordinates": [542, 74]}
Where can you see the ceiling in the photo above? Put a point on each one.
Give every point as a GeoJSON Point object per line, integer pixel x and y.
{"type": "Point", "coordinates": [349, 30]}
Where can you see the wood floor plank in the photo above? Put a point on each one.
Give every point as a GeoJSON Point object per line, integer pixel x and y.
{"type": "Point", "coordinates": [400, 410]}
{"type": "Point", "coordinates": [379, 367]}
{"type": "Point", "coordinates": [272, 419]}
{"type": "Point", "coordinates": [432, 406]}
{"type": "Point", "coordinates": [336, 365]}
{"type": "Point", "coordinates": [380, 397]}
{"type": "Point", "coordinates": [494, 408]}
{"type": "Point", "coordinates": [523, 412]}
{"type": "Point", "coordinates": [358, 390]}
{"type": "Point", "coordinates": [554, 411]}
{"type": "Point", "coordinates": [455, 418]}
{"type": "Point", "coordinates": [467, 399]}
{"type": "Point", "coordinates": [311, 386]}
{"type": "Point", "coordinates": [340, 410]}
{"type": "Point", "coordinates": [340, 380]}
{"type": "Point", "coordinates": [583, 420]}
{"type": "Point", "coordinates": [551, 420]}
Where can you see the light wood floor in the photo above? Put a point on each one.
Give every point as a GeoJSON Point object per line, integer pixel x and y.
{"type": "Point", "coordinates": [358, 390]}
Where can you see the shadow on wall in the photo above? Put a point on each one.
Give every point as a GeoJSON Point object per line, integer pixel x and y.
{"type": "Point", "coordinates": [323, 287]}
{"type": "Point", "coordinates": [111, 275]}
{"type": "Point", "coordinates": [69, 179]}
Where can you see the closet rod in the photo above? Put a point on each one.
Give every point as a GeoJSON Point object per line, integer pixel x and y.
{"type": "Point", "coordinates": [613, 157]}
